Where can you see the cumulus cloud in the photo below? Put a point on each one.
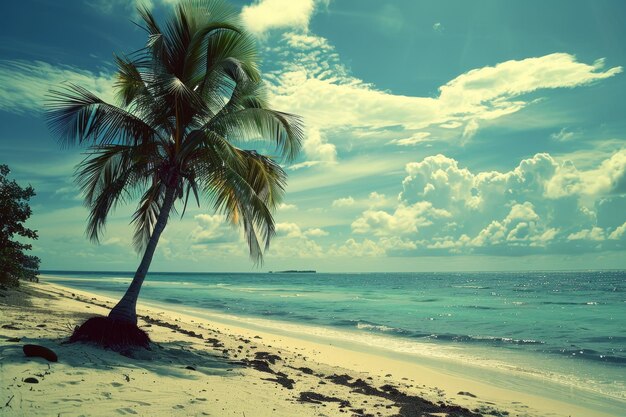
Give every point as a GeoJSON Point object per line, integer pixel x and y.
{"type": "Point", "coordinates": [287, 207]}
{"type": "Point", "coordinates": [540, 205]}
{"type": "Point", "coordinates": [317, 149]}
{"type": "Point", "coordinates": [405, 220]}
{"type": "Point", "coordinates": [316, 232]}
{"type": "Point", "coordinates": [595, 233]}
{"type": "Point", "coordinates": [377, 200]}
{"type": "Point", "coordinates": [619, 232]}
{"type": "Point", "coordinates": [212, 229]}
{"type": "Point", "coordinates": [343, 202]}
{"type": "Point", "coordinates": [353, 248]}
{"type": "Point", "coordinates": [608, 178]}
{"type": "Point", "coordinates": [288, 230]}
{"type": "Point", "coordinates": [292, 242]}
{"type": "Point", "coordinates": [265, 15]}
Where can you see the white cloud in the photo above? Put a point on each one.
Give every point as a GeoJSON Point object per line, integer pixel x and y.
{"type": "Point", "coordinates": [595, 234]}
{"type": "Point", "coordinates": [562, 135]}
{"type": "Point", "coordinates": [444, 206]}
{"type": "Point", "coordinates": [24, 85]}
{"type": "Point", "coordinates": [520, 225]}
{"type": "Point", "coordinates": [264, 15]}
{"type": "Point", "coordinates": [313, 83]}
{"type": "Point", "coordinates": [418, 137]}
{"type": "Point", "coordinates": [115, 241]}
{"type": "Point", "coordinates": [609, 177]}
{"type": "Point", "coordinates": [405, 220]}
{"type": "Point", "coordinates": [618, 233]}
{"type": "Point", "coordinates": [317, 149]}
{"type": "Point", "coordinates": [316, 232]}
{"type": "Point", "coordinates": [343, 202]}
{"type": "Point", "coordinates": [213, 229]}
{"type": "Point", "coordinates": [305, 164]}
{"type": "Point", "coordinates": [291, 242]}
{"type": "Point", "coordinates": [470, 130]}
{"type": "Point", "coordinates": [377, 200]}
{"type": "Point", "coordinates": [326, 175]}
{"type": "Point", "coordinates": [287, 207]}
{"type": "Point", "coordinates": [288, 230]}
{"type": "Point", "coordinates": [352, 248]}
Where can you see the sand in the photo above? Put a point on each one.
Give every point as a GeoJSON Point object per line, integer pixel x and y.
{"type": "Point", "coordinates": [205, 367]}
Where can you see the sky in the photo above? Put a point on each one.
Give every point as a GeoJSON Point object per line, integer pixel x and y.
{"type": "Point", "coordinates": [441, 135]}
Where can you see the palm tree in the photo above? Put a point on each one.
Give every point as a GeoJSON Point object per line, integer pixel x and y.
{"type": "Point", "coordinates": [188, 105]}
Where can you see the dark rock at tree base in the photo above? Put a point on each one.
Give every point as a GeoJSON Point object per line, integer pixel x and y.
{"type": "Point", "coordinates": [31, 380]}
{"type": "Point", "coordinates": [117, 335]}
{"type": "Point", "coordinates": [40, 352]}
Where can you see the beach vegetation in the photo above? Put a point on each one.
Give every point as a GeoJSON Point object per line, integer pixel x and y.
{"type": "Point", "coordinates": [191, 122]}
{"type": "Point", "coordinates": [15, 263]}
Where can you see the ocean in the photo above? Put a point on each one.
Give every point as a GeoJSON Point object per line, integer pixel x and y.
{"type": "Point", "coordinates": [565, 327]}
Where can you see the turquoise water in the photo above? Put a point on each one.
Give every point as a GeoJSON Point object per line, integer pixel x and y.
{"type": "Point", "coordinates": [566, 326]}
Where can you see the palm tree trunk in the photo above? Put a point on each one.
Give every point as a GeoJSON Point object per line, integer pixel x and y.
{"type": "Point", "coordinates": [126, 308]}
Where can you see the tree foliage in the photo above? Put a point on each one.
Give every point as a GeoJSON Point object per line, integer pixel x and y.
{"type": "Point", "coordinates": [15, 264]}
{"type": "Point", "coordinates": [189, 103]}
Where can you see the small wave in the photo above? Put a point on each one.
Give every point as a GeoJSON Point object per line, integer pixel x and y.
{"type": "Point", "coordinates": [274, 313]}
{"type": "Point", "coordinates": [590, 354]}
{"type": "Point", "coordinates": [373, 327]}
{"type": "Point", "coordinates": [173, 300]}
{"type": "Point", "coordinates": [473, 287]}
{"type": "Point", "coordinates": [485, 339]}
{"type": "Point", "coordinates": [563, 303]}
{"type": "Point", "coordinates": [378, 327]}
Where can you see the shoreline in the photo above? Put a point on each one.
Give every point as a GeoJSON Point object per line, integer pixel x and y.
{"type": "Point", "coordinates": [536, 373]}
{"type": "Point", "coordinates": [314, 367]}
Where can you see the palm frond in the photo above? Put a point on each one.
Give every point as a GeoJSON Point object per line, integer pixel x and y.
{"type": "Point", "coordinates": [284, 129]}
{"type": "Point", "coordinates": [106, 177]}
{"type": "Point", "coordinates": [76, 115]}
{"type": "Point", "coordinates": [226, 50]}
{"type": "Point", "coordinates": [246, 190]}
{"type": "Point", "coordinates": [146, 215]}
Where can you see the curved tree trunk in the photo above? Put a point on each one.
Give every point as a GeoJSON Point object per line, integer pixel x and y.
{"type": "Point", "coordinates": [126, 308]}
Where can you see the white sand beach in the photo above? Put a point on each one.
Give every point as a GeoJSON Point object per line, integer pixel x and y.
{"type": "Point", "coordinates": [206, 367]}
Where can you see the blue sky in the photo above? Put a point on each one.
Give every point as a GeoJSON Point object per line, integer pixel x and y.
{"type": "Point", "coordinates": [441, 135]}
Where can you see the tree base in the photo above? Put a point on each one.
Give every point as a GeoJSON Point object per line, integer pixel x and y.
{"type": "Point", "coordinates": [117, 335]}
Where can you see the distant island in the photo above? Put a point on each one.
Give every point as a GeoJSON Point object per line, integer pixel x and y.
{"type": "Point", "coordinates": [295, 271]}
